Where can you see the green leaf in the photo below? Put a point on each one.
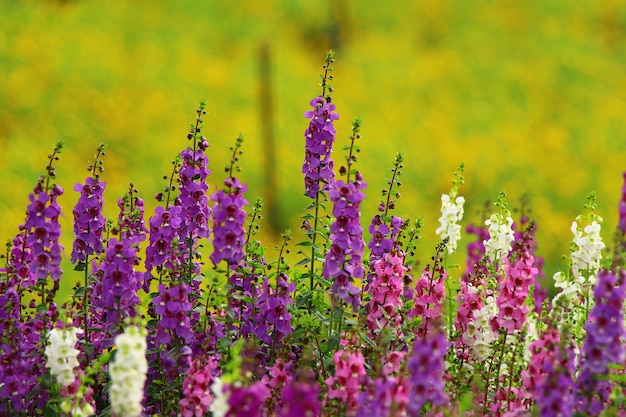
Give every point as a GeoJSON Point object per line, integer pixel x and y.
{"type": "Point", "coordinates": [80, 266]}
{"type": "Point", "coordinates": [88, 349]}
{"type": "Point", "coordinates": [320, 316]}
{"type": "Point", "coordinates": [333, 342]}
{"type": "Point", "coordinates": [303, 298]}
{"type": "Point", "coordinates": [304, 261]}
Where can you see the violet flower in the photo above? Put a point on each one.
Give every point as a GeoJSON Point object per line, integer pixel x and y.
{"type": "Point", "coordinates": [272, 323]}
{"type": "Point", "coordinates": [44, 232]}
{"type": "Point", "coordinates": [246, 401]}
{"type": "Point", "coordinates": [89, 223]}
{"type": "Point", "coordinates": [300, 396]}
{"type": "Point", "coordinates": [345, 257]}
{"type": "Point", "coordinates": [229, 217]}
{"type": "Point", "coordinates": [192, 174]}
{"type": "Point", "coordinates": [120, 281]}
{"type": "Point", "coordinates": [320, 135]}
{"type": "Point", "coordinates": [604, 343]}
{"type": "Point", "coordinates": [426, 370]}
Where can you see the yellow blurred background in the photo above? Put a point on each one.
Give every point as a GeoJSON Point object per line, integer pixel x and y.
{"type": "Point", "coordinates": [530, 95]}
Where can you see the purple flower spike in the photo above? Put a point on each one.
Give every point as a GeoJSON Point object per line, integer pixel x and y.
{"type": "Point", "coordinates": [229, 219]}
{"type": "Point", "coordinates": [193, 188]}
{"type": "Point", "coordinates": [345, 258]}
{"type": "Point", "coordinates": [89, 223]}
{"type": "Point", "coordinates": [426, 370]}
{"type": "Point", "coordinates": [320, 135]}
{"type": "Point", "coordinates": [604, 342]}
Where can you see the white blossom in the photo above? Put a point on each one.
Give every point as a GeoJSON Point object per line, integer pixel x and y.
{"type": "Point", "coordinates": [501, 237]}
{"type": "Point", "coordinates": [588, 255]}
{"type": "Point", "coordinates": [451, 214]}
{"type": "Point", "coordinates": [62, 356]}
{"type": "Point", "coordinates": [219, 405]}
{"type": "Point", "coordinates": [128, 373]}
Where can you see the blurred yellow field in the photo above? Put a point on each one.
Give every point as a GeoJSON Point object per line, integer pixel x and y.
{"type": "Point", "coordinates": [528, 94]}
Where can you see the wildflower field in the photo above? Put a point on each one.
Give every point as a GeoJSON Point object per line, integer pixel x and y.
{"type": "Point", "coordinates": [336, 295]}
{"type": "Point", "coordinates": [352, 328]}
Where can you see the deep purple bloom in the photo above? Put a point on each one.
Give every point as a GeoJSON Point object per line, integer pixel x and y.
{"type": "Point", "coordinates": [426, 369]}
{"type": "Point", "coordinates": [173, 305]}
{"type": "Point", "coordinates": [89, 223]}
{"type": "Point", "coordinates": [229, 218]}
{"type": "Point", "coordinates": [300, 397]}
{"type": "Point", "coordinates": [193, 189]}
{"type": "Point", "coordinates": [161, 250]}
{"type": "Point", "coordinates": [247, 401]}
{"type": "Point", "coordinates": [345, 258]}
{"type": "Point", "coordinates": [273, 319]}
{"type": "Point", "coordinates": [320, 135]}
{"type": "Point", "coordinates": [44, 232]}
{"type": "Point", "coordinates": [120, 281]}
{"type": "Point", "coordinates": [604, 343]}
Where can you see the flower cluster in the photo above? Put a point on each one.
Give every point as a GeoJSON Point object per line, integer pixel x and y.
{"type": "Point", "coordinates": [388, 393]}
{"type": "Point", "coordinates": [426, 369]}
{"type": "Point", "coordinates": [586, 258]}
{"type": "Point", "coordinates": [192, 176]}
{"type": "Point", "coordinates": [89, 223]}
{"type": "Point", "coordinates": [318, 166]}
{"type": "Point", "coordinates": [300, 397]}
{"type": "Point", "coordinates": [173, 304]}
{"type": "Point", "coordinates": [128, 373]}
{"type": "Point", "coordinates": [429, 295]}
{"type": "Point", "coordinates": [246, 400]}
{"type": "Point", "coordinates": [130, 217]}
{"type": "Point", "coordinates": [229, 217]}
{"type": "Point", "coordinates": [470, 301]}
{"type": "Point", "coordinates": [451, 214]}
{"type": "Point", "coordinates": [120, 281]}
{"type": "Point", "coordinates": [550, 372]}
{"type": "Point", "coordinates": [345, 384]}
{"type": "Point", "coordinates": [585, 261]}
{"type": "Point", "coordinates": [511, 301]}
{"type": "Point", "coordinates": [604, 342]}
{"type": "Point", "coordinates": [386, 290]}
{"type": "Point", "coordinates": [382, 240]}
{"type": "Point", "coordinates": [479, 334]}
{"type": "Point", "coordinates": [44, 232]}
{"type": "Point", "coordinates": [273, 321]}
{"type": "Point", "coordinates": [501, 236]}
{"type": "Point", "coordinates": [197, 397]}
{"type": "Point", "coordinates": [61, 354]}
{"type": "Point", "coordinates": [344, 259]}
{"type": "Point", "coordinates": [163, 243]}
{"type": "Point", "coordinates": [75, 401]}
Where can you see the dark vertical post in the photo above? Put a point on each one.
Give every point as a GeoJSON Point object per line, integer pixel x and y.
{"type": "Point", "coordinates": [266, 116]}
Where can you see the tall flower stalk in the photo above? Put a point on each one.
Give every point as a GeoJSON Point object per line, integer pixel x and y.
{"type": "Point", "coordinates": [318, 166]}
{"type": "Point", "coordinates": [89, 225]}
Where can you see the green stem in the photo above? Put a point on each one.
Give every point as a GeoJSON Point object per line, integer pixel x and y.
{"type": "Point", "coordinates": [500, 361]}
{"type": "Point", "coordinates": [85, 312]}
{"type": "Point", "coordinates": [315, 224]}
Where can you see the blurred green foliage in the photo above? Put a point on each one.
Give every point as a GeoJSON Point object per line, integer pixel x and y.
{"type": "Point", "coordinates": [528, 94]}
